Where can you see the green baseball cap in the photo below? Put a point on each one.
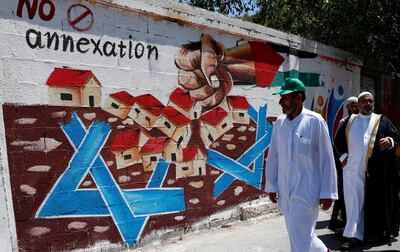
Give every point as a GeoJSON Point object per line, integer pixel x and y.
{"type": "Point", "coordinates": [291, 85]}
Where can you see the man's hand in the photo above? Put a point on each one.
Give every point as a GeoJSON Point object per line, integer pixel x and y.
{"type": "Point", "coordinates": [343, 159]}
{"type": "Point", "coordinates": [385, 143]}
{"type": "Point", "coordinates": [272, 196]}
{"type": "Point", "coordinates": [325, 203]}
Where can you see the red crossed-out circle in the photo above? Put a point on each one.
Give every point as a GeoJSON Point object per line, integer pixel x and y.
{"type": "Point", "coordinates": [80, 17]}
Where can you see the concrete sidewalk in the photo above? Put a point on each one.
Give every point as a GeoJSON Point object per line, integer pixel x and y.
{"type": "Point", "coordinates": [265, 233]}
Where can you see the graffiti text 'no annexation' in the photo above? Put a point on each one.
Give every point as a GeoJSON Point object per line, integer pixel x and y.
{"type": "Point", "coordinates": [84, 45]}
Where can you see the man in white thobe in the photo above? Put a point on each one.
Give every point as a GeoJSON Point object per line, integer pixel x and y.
{"type": "Point", "coordinates": [359, 130]}
{"type": "Point", "coordinates": [300, 172]}
{"type": "Point", "coordinates": [338, 218]}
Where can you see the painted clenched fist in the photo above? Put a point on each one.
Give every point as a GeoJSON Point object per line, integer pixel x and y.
{"type": "Point", "coordinates": [207, 70]}
{"type": "Point", "coordinates": [202, 73]}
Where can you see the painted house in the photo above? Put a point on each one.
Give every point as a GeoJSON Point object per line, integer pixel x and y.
{"type": "Point", "coordinates": [74, 88]}
{"type": "Point", "coordinates": [192, 164]}
{"type": "Point", "coordinates": [119, 104]}
{"type": "Point", "coordinates": [126, 147]}
{"type": "Point", "coordinates": [175, 125]}
{"type": "Point", "coordinates": [173, 152]}
{"type": "Point", "coordinates": [237, 107]}
{"type": "Point", "coordinates": [184, 103]}
{"type": "Point", "coordinates": [152, 151]}
{"type": "Point", "coordinates": [146, 110]}
{"type": "Point", "coordinates": [214, 124]}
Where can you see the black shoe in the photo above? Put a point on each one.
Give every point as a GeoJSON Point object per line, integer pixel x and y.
{"type": "Point", "coordinates": [345, 246]}
{"type": "Point", "coordinates": [350, 243]}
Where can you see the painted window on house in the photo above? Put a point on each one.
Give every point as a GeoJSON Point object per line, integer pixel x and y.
{"type": "Point", "coordinates": [210, 138]}
{"type": "Point", "coordinates": [127, 157]}
{"type": "Point", "coordinates": [180, 140]}
{"type": "Point", "coordinates": [91, 101]}
{"type": "Point", "coordinates": [66, 97]}
{"type": "Point", "coordinates": [241, 114]}
{"type": "Point", "coordinates": [153, 159]}
{"type": "Point", "coordinates": [114, 105]}
{"type": "Point", "coordinates": [185, 168]}
{"type": "Point", "coordinates": [137, 110]}
{"type": "Point", "coordinates": [167, 124]}
{"type": "Point", "coordinates": [224, 125]}
{"type": "Point", "coordinates": [200, 171]}
{"type": "Point", "coordinates": [147, 119]}
{"type": "Point", "coordinates": [173, 156]}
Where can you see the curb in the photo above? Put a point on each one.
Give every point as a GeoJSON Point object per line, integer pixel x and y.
{"type": "Point", "coordinates": [242, 212]}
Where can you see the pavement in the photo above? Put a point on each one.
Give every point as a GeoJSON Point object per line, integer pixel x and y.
{"type": "Point", "coordinates": [264, 233]}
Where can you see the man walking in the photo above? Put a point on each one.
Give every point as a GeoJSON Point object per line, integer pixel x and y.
{"type": "Point", "coordinates": [366, 143]}
{"type": "Point", "coordinates": [352, 108]}
{"type": "Point", "coordinates": [300, 172]}
{"type": "Point", "coordinates": [338, 218]}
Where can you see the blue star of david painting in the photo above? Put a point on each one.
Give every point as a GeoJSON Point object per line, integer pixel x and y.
{"type": "Point", "coordinates": [129, 209]}
{"type": "Point", "coordinates": [239, 169]}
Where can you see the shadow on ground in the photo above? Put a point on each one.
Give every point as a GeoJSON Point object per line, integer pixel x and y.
{"type": "Point", "coordinates": [333, 241]}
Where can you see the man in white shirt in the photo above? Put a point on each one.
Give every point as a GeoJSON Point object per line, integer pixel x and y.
{"type": "Point", "coordinates": [300, 172]}
{"type": "Point", "coordinates": [338, 218]}
{"type": "Point", "coordinates": [370, 180]}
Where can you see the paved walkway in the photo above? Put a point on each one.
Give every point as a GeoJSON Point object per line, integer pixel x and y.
{"type": "Point", "coordinates": [259, 234]}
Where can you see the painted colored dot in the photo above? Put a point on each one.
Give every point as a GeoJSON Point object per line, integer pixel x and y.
{"type": "Point", "coordinates": [340, 90]}
{"type": "Point", "coordinates": [320, 100]}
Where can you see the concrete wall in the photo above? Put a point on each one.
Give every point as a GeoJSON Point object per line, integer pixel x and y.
{"type": "Point", "coordinates": [60, 187]}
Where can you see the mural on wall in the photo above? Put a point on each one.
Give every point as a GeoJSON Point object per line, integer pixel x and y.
{"type": "Point", "coordinates": [331, 108]}
{"type": "Point", "coordinates": [113, 155]}
{"type": "Point", "coordinates": [202, 134]}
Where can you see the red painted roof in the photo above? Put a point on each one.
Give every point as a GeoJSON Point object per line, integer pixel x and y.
{"type": "Point", "coordinates": [124, 97]}
{"type": "Point", "coordinates": [155, 145]}
{"type": "Point", "coordinates": [66, 77]}
{"type": "Point", "coordinates": [215, 116]}
{"type": "Point", "coordinates": [239, 102]}
{"type": "Point", "coordinates": [190, 153]}
{"type": "Point", "coordinates": [182, 98]}
{"type": "Point", "coordinates": [175, 116]}
{"type": "Point", "coordinates": [125, 140]}
{"type": "Point", "coordinates": [150, 103]}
